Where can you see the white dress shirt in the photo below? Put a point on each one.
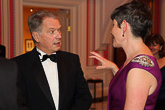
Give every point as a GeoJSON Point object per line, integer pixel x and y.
{"type": "Point", "coordinates": [51, 72]}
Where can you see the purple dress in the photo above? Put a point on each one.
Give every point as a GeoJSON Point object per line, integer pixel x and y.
{"type": "Point", "coordinates": [160, 104]}
{"type": "Point", "coordinates": [117, 88]}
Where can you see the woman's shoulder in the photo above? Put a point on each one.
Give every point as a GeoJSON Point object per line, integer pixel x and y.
{"type": "Point", "coordinates": [144, 60]}
{"type": "Point", "coordinates": [163, 59]}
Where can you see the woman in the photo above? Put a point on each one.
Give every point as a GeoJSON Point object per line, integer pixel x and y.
{"type": "Point", "coordinates": [156, 44]}
{"type": "Point", "coordinates": [135, 86]}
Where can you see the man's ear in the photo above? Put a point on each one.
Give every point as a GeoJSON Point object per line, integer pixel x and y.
{"type": "Point", "coordinates": [36, 36]}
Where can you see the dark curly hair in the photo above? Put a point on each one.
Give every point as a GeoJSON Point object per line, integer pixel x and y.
{"type": "Point", "coordinates": [137, 14]}
{"type": "Point", "coordinates": [158, 39]}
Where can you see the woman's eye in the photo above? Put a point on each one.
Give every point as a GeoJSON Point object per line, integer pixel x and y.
{"type": "Point", "coordinates": [155, 45]}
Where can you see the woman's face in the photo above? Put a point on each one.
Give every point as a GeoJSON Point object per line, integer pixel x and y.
{"type": "Point", "coordinates": [117, 34]}
{"type": "Point", "coordinates": [155, 48]}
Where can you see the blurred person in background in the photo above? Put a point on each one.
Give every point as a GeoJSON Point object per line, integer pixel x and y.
{"type": "Point", "coordinates": [2, 51]}
{"type": "Point", "coordinates": [156, 44]}
{"type": "Point", "coordinates": [8, 87]}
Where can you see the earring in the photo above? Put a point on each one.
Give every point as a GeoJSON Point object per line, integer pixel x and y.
{"type": "Point", "coordinates": [123, 34]}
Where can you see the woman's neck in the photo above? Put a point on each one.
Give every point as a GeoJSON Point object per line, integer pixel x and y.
{"type": "Point", "coordinates": [156, 56]}
{"type": "Point", "coordinates": [161, 62]}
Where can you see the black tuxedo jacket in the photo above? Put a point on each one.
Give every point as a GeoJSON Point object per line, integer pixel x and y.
{"type": "Point", "coordinates": [73, 89]}
{"type": "Point", "coordinates": [8, 89]}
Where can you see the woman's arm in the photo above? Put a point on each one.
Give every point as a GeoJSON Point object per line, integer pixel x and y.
{"type": "Point", "coordinates": [139, 85]}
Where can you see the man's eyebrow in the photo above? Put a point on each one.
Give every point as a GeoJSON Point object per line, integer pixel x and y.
{"type": "Point", "coordinates": [53, 28]}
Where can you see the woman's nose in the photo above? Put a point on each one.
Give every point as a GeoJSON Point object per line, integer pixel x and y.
{"type": "Point", "coordinates": [151, 47]}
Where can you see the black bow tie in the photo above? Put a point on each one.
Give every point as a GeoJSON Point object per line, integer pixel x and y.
{"type": "Point", "coordinates": [52, 57]}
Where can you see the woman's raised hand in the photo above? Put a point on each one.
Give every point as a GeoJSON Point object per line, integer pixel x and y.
{"type": "Point", "coordinates": [105, 64]}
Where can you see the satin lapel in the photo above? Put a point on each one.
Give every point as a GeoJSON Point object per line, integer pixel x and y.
{"type": "Point", "coordinates": [40, 77]}
{"type": "Point", "coordinates": [63, 73]}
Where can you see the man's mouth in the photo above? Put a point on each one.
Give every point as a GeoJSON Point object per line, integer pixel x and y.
{"type": "Point", "coordinates": [57, 43]}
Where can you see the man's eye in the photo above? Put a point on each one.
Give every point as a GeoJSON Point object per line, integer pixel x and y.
{"type": "Point", "coordinates": [51, 32]}
{"type": "Point", "coordinates": [59, 30]}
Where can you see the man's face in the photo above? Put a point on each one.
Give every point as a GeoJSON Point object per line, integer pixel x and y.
{"type": "Point", "coordinates": [49, 40]}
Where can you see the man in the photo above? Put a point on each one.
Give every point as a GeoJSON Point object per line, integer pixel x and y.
{"type": "Point", "coordinates": [8, 76]}
{"type": "Point", "coordinates": [49, 85]}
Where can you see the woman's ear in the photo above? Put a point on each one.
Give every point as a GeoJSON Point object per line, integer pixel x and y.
{"type": "Point", "coordinates": [160, 48]}
{"type": "Point", "coordinates": [36, 36]}
{"type": "Point", "coordinates": [124, 25]}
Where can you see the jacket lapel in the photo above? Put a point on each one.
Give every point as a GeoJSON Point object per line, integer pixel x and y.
{"type": "Point", "coordinates": [63, 73]}
{"type": "Point", "coordinates": [39, 74]}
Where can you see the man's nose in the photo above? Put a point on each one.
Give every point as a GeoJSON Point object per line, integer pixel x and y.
{"type": "Point", "coordinates": [57, 34]}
